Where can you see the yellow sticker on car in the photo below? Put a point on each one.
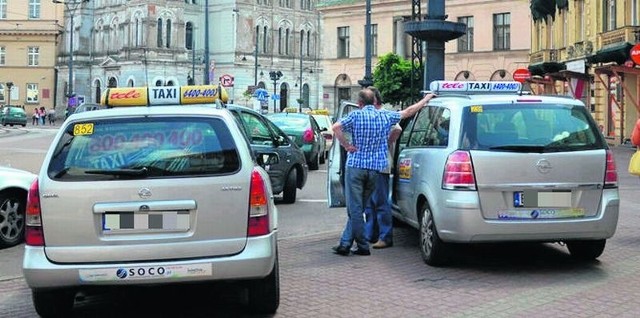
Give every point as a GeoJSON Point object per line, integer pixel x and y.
{"type": "Point", "coordinates": [404, 169]}
{"type": "Point", "coordinates": [476, 109]}
{"type": "Point", "coordinates": [83, 129]}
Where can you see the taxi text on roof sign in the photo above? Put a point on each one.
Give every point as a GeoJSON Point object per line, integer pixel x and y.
{"type": "Point", "coordinates": [490, 87]}
{"type": "Point", "coordinates": [163, 95]}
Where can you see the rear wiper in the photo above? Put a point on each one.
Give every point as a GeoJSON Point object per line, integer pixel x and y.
{"type": "Point", "coordinates": [519, 148]}
{"type": "Point", "coordinates": [136, 172]}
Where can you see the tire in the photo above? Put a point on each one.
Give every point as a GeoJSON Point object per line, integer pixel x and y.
{"type": "Point", "coordinates": [315, 162]}
{"type": "Point", "coordinates": [432, 249]}
{"type": "Point", "coordinates": [290, 187]}
{"type": "Point", "coordinates": [586, 250]}
{"type": "Point", "coordinates": [12, 218]}
{"type": "Point", "coordinates": [264, 294]}
{"type": "Point", "coordinates": [53, 303]}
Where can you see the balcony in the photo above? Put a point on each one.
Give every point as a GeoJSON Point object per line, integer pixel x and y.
{"type": "Point", "coordinates": [547, 55]}
{"type": "Point", "coordinates": [621, 35]}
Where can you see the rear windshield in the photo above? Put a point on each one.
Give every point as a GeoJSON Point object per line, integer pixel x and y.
{"type": "Point", "coordinates": [144, 148]}
{"type": "Point", "coordinates": [288, 121]}
{"type": "Point", "coordinates": [530, 127]}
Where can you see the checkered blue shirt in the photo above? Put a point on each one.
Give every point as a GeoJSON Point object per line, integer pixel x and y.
{"type": "Point", "coordinates": [369, 130]}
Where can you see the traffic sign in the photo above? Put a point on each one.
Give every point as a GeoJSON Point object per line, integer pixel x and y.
{"type": "Point", "coordinates": [275, 96]}
{"type": "Point", "coordinates": [261, 94]}
{"type": "Point", "coordinates": [226, 80]}
{"type": "Point", "coordinates": [521, 75]}
{"type": "Point", "coordinates": [635, 54]}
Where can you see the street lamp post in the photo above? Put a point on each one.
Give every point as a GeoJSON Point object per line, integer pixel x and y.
{"type": "Point", "coordinates": [368, 79]}
{"type": "Point", "coordinates": [255, 61]}
{"type": "Point", "coordinates": [71, 7]}
{"type": "Point", "coordinates": [275, 76]}
{"type": "Point", "coordinates": [9, 86]}
{"type": "Point", "coordinates": [301, 98]}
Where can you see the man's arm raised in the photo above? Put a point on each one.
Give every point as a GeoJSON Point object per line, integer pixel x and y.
{"type": "Point", "coordinates": [413, 109]}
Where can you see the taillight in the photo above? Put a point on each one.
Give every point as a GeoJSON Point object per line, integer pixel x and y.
{"type": "Point", "coordinates": [611, 174]}
{"type": "Point", "coordinates": [458, 172]}
{"type": "Point", "coordinates": [328, 136]}
{"type": "Point", "coordinates": [33, 229]}
{"type": "Point", "coordinates": [258, 206]}
{"type": "Point", "coordinates": [307, 136]}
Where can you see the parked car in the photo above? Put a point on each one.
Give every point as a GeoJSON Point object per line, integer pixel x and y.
{"type": "Point", "coordinates": [484, 163]}
{"type": "Point", "coordinates": [153, 195]}
{"type": "Point", "coordinates": [325, 123]}
{"type": "Point", "coordinates": [14, 185]}
{"type": "Point", "coordinates": [12, 115]}
{"type": "Point", "coordinates": [305, 132]}
{"type": "Point", "coordinates": [88, 107]}
{"type": "Point", "coordinates": [291, 172]}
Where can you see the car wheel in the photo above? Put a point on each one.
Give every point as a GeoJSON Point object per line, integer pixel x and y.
{"type": "Point", "coordinates": [290, 187]}
{"type": "Point", "coordinates": [315, 162]}
{"type": "Point", "coordinates": [53, 303]}
{"type": "Point", "coordinates": [264, 294]}
{"type": "Point", "coordinates": [432, 249]}
{"type": "Point", "coordinates": [12, 207]}
{"type": "Point", "coordinates": [586, 250]}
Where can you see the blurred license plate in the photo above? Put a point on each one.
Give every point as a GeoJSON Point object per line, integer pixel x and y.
{"type": "Point", "coordinates": [542, 199]}
{"type": "Point", "coordinates": [165, 220]}
{"type": "Point", "coordinates": [527, 214]}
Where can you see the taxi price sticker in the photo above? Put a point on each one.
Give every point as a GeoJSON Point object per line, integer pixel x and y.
{"type": "Point", "coordinates": [404, 169]}
{"type": "Point", "coordinates": [83, 129]}
{"type": "Point", "coordinates": [476, 109]}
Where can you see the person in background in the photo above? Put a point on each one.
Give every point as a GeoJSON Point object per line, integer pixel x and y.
{"type": "Point", "coordinates": [52, 116]}
{"type": "Point", "coordinates": [42, 114]}
{"type": "Point", "coordinates": [378, 219]}
{"type": "Point", "coordinates": [366, 157]}
{"type": "Point", "coordinates": [35, 119]}
{"type": "Point", "coordinates": [635, 135]}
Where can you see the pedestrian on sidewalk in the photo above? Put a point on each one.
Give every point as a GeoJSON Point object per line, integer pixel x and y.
{"type": "Point", "coordinates": [52, 116]}
{"type": "Point", "coordinates": [42, 114]}
{"type": "Point", "coordinates": [366, 157]}
{"type": "Point", "coordinates": [378, 219]}
{"type": "Point", "coordinates": [35, 119]}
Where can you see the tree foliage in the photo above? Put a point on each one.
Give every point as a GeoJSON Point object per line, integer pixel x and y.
{"type": "Point", "coordinates": [392, 76]}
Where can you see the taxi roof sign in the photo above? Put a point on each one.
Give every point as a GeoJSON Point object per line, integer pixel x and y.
{"type": "Point", "coordinates": [163, 95]}
{"type": "Point", "coordinates": [475, 87]}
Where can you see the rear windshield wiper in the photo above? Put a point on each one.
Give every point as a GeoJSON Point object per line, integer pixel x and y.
{"type": "Point", "coordinates": [135, 172]}
{"type": "Point", "coordinates": [520, 148]}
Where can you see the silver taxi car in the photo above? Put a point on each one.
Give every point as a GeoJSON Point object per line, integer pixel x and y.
{"type": "Point", "coordinates": [149, 196]}
{"type": "Point", "coordinates": [485, 163]}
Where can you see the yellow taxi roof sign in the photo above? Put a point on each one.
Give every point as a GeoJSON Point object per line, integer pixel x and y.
{"type": "Point", "coordinates": [320, 112]}
{"type": "Point", "coordinates": [163, 95]}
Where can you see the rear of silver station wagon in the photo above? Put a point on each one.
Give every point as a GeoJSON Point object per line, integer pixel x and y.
{"type": "Point", "coordinates": [514, 168]}
{"type": "Point", "coordinates": [150, 195]}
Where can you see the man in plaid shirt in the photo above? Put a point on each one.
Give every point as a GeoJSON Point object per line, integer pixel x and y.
{"type": "Point", "coordinates": [366, 157]}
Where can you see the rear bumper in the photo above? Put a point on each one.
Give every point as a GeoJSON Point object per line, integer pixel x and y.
{"type": "Point", "coordinates": [255, 261]}
{"type": "Point", "coordinates": [462, 222]}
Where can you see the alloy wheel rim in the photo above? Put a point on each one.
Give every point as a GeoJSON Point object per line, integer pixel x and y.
{"type": "Point", "coordinates": [11, 221]}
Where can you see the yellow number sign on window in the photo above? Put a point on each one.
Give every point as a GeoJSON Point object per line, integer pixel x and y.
{"type": "Point", "coordinates": [83, 129]}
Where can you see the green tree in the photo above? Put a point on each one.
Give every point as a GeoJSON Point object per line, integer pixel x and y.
{"type": "Point", "coordinates": [392, 76]}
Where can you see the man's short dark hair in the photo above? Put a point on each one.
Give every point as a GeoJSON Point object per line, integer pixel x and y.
{"type": "Point", "coordinates": [376, 93]}
{"type": "Point", "coordinates": [366, 96]}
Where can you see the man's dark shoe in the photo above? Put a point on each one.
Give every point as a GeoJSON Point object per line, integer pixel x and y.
{"type": "Point", "coordinates": [341, 250]}
{"type": "Point", "coordinates": [362, 252]}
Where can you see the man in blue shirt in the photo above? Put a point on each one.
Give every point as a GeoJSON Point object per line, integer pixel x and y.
{"type": "Point", "coordinates": [366, 157]}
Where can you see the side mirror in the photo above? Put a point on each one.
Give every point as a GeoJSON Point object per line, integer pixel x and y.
{"type": "Point", "coordinates": [266, 159]}
{"type": "Point", "coordinates": [324, 129]}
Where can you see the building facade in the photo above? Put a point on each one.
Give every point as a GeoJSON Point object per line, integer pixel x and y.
{"type": "Point", "coordinates": [496, 44]}
{"type": "Point", "coordinates": [583, 48]}
{"type": "Point", "coordinates": [29, 32]}
{"type": "Point", "coordinates": [120, 43]}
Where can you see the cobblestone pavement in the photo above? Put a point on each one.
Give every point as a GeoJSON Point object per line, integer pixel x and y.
{"type": "Point", "coordinates": [508, 280]}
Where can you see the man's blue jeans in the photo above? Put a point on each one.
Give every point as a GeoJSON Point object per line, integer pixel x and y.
{"type": "Point", "coordinates": [379, 221]}
{"type": "Point", "coordinates": [359, 184]}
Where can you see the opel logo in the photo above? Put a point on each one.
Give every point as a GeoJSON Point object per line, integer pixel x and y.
{"type": "Point", "coordinates": [144, 193]}
{"type": "Point", "coordinates": [543, 166]}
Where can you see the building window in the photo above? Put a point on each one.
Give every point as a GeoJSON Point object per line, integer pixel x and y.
{"type": "Point", "coordinates": [635, 8]}
{"type": "Point", "coordinates": [308, 43]}
{"type": "Point", "coordinates": [501, 31]}
{"type": "Point", "coordinates": [287, 45]}
{"type": "Point", "coordinates": [343, 42]}
{"type": "Point", "coordinates": [374, 40]}
{"type": "Point", "coordinates": [579, 20]}
{"type": "Point", "coordinates": [33, 56]}
{"type": "Point", "coordinates": [32, 93]}
{"type": "Point", "coordinates": [285, 3]}
{"type": "Point", "coordinates": [280, 41]}
{"type": "Point", "coordinates": [2, 92]}
{"type": "Point", "coordinates": [265, 38]}
{"type": "Point", "coordinates": [34, 9]}
{"type": "Point", "coordinates": [3, 9]}
{"type": "Point", "coordinates": [168, 33]}
{"type": "Point", "coordinates": [301, 42]}
{"type": "Point", "coordinates": [3, 55]}
{"type": "Point", "coordinates": [609, 15]}
{"type": "Point", "coordinates": [138, 32]}
{"type": "Point", "coordinates": [465, 42]}
{"type": "Point", "coordinates": [305, 4]}
{"type": "Point", "coordinates": [188, 36]}
{"type": "Point", "coordinates": [159, 35]}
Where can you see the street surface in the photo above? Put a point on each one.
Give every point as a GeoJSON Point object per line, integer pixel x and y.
{"type": "Point", "coordinates": [489, 280]}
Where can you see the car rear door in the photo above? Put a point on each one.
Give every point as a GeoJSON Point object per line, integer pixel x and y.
{"type": "Point", "coordinates": [335, 166]}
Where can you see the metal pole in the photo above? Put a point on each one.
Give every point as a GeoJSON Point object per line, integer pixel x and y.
{"type": "Point", "coordinates": [367, 80]}
{"type": "Point", "coordinates": [207, 67]}
{"type": "Point", "coordinates": [275, 83]}
{"type": "Point", "coordinates": [70, 86]}
{"type": "Point", "coordinates": [193, 60]}
{"type": "Point", "coordinates": [300, 104]}
{"type": "Point", "coordinates": [255, 60]}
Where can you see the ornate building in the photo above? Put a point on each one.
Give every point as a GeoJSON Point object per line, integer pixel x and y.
{"type": "Point", "coordinates": [164, 42]}
{"type": "Point", "coordinates": [583, 48]}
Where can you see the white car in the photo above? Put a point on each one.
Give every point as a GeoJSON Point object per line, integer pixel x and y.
{"type": "Point", "coordinates": [154, 195]}
{"type": "Point", "coordinates": [14, 185]}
